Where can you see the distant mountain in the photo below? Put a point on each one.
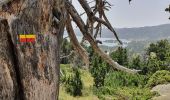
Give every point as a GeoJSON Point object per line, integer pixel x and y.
{"type": "Point", "coordinates": [141, 33]}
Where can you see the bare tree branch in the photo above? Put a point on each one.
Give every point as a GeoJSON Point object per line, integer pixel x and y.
{"type": "Point", "coordinates": [77, 19]}
{"type": "Point", "coordinates": [66, 56]}
{"type": "Point", "coordinates": [168, 10]}
{"type": "Point", "coordinates": [90, 14]}
{"type": "Point", "coordinates": [79, 49]}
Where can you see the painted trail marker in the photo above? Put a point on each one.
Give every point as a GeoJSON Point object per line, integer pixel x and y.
{"type": "Point", "coordinates": [27, 38]}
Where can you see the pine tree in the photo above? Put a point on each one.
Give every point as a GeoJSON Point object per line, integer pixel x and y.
{"type": "Point", "coordinates": [98, 71]}
{"type": "Point", "coordinates": [74, 84]}
{"type": "Point", "coordinates": [158, 56]}
{"type": "Point", "coordinates": [120, 56]}
{"type": "Point", "coordinates": [78, 86]}
{"type": "Point", "coordinates": [136, 62]}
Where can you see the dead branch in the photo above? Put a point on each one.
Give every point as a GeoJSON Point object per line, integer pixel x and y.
{"type": "Point", "coordinates": [77, 19]}
{"type": "Point", "coordinates": [79, 49]}
{"type": "Point", "coordinates": [90, 14]}
{"type": "Point", "coordinates": [66, 56]}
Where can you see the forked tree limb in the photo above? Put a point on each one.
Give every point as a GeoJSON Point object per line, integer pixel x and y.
{"type": "Point", "coordinates": [73, 39]}
{"type": "Point", "coordinates": [108, 25]}
{"type": "Point", "coordinates": [77, 19]}
{"type": "Point", "coordinates": [90, 14]}
{"type": "Point", "coordinates": [67, 56]}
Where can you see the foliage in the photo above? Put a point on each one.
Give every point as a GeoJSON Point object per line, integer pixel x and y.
{"type": "Point", "coordinates": [161, 48]}
{"type": "Point", "coordinates": [136, 63]}
{"type": "Point", "coordinates": [167, 56]}
{"type": "Point", "coordinates": [116, 85]}
{"type": "Point", "coordinates": [120, 56]}
{"type": "Point", "coordinates": [66, 48]}
{"type": "Point", "coordinates": [160, 77]}
{"type": "Point", "coordinates": [158, 56]}
{"type": "Point", "coordinates": [119, 79]}
{"type": "Point", "coordinates": [124, 93]}
{"type": "Point", "coordinates": [98, 71]}
{"type": "Point", "coordinates": [74, 84]}
{"type": "Point", "coordinates": [87, 81]}
{"type": "Point", "coordinates": [153, 65]}
{"type": "Point", "coordinates": [121, 85]}
{"type": "Point", "coordinates": [91, 52]}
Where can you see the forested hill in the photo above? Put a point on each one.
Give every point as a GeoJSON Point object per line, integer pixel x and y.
{"type": "Point", "coordinates": [141, 33]}
{"type": "Point", "coordinates": [152, 32]}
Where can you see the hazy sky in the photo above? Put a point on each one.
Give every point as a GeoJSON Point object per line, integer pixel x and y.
{"type": "Point", "coordinates": [140, 13]}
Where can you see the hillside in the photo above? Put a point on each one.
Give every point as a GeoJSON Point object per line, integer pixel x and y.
{"type": "Point", "coordinates": [140, 33]}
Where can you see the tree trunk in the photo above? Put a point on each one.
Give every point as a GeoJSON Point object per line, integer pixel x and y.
{"type": "Point", "coordinates": [30, 71]}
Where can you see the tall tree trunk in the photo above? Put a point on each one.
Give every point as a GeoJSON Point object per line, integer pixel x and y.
{"type": "Point", "coordinates": [30, 71]}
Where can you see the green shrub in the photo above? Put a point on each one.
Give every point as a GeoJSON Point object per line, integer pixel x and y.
{"type": "Point", "coordinates": [118, 79]}
{"type": "Point", "coordinates": [161, 48]}
{"type": "Point", "coordinates": [66, 48]}
{"type": "Point", "coordinates": [136, 62]}
{"type": "Point", "coordinates": [74, 84]}
{"type": "Point", "coordinates": [99, 70]}
{"type": "Point", "coordinates": [158, 57]}
{"type": "Point", "coordinates": [136, 93]}
{"type": "Point", "coordinates": [160, 77]}
{"type": "Point", "coordinates": [124, 93]}
{"type": "Point", "coordinates": [120, 56]}
{"type": "Point", "coordinates": [124, 86]}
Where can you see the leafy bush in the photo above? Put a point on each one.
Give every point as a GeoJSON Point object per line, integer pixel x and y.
{"type": "Point", "coordinates": [124, 93]}
{"type": "Point", "coordinates": [98, 71]}
{"type": "Point", "coordinates": [136, 93]}
{"type": "Point", "coordinates": [66, 48]}
{"type": "Point", "coordinates": [65, 72]}
{"type": "Point", "coordinates": [136, 62]}
{"type": "Point", "coordinates": [120, 56]}
{"type": "Point", "coordinates": [160, 77]}
{"type": "Point", "coordinates": [123, 86]}
{"type": "Point", "coordinates": [158, 56]}
{"type": "Point", "coordinates": [161, 48]}
{"type": "Point", "coordinates": [118, 79]}
{"type": "Point", "coordinates": [74, 84]}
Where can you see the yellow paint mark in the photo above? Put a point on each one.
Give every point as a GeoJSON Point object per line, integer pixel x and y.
{"type": "Point", "coordinates": [27, 36]}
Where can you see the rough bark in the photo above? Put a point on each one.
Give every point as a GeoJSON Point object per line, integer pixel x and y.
{"type": "Point", "coordinates": [8, 80]}
{"type": "Point", "coordinates": [36, 64]}
{"type": "Point", "coordinates": [30, 71]}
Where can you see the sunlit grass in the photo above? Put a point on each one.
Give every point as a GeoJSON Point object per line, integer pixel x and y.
{"type": "Point", "coordinates": [87, 85]}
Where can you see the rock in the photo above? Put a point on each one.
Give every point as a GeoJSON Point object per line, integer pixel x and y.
{"type": "Point", "coordinates": [163, 90]}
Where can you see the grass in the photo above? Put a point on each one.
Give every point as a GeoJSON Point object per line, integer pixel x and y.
{"type": "Point", "coordinates": [160, 77]}
{"type": "Point", "coordinates": [107, 92]}
{"type": "Point", "coordinates": [87, 85]}
{"type": "Point", "coordinates": [125, 93]}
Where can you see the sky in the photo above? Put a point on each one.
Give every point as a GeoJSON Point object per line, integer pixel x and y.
{"type": "Point", "coordinates": [139, 13]}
